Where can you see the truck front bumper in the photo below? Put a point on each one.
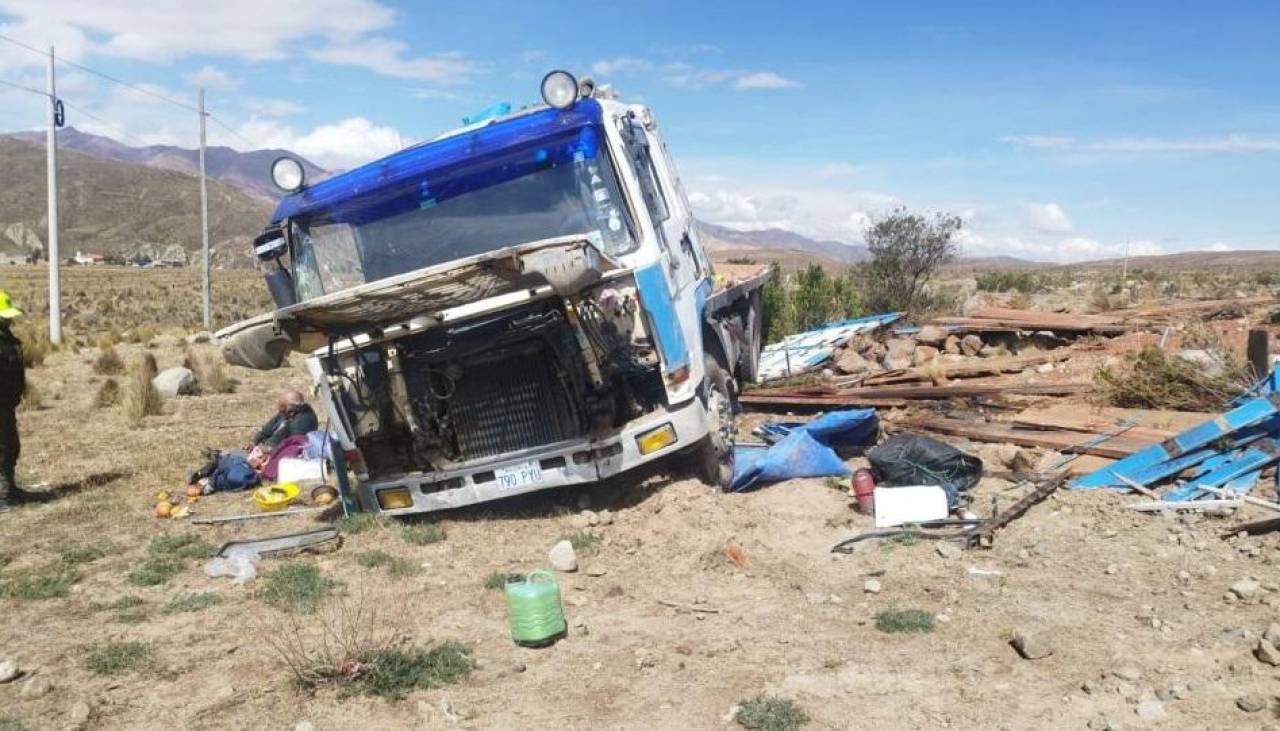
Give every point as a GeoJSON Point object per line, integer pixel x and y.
{"type": "Point", "coordinates": [563, 463]}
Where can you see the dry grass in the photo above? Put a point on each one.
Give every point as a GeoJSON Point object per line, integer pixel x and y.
{"type": "Point", "coordinates": [108, 394]}
{"type": "Point", "coordinates": [140, 397]}
{"type": "Point", "coordinates": [108, 363]}
{"type": "Point", "coordinates": [36, 345]}
{"type": "Point", "coordinates": [1150, 378]}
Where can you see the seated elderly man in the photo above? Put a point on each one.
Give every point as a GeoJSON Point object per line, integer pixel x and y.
{"type": "Point", "coordinates": [293, 417]}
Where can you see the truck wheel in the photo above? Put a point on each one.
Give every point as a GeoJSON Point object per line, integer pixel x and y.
{"type": "Point", "coordinates": [713, 457]}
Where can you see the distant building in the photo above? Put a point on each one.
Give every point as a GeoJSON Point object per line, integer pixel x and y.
{"type": "Point", "coordinates": [88, 258]}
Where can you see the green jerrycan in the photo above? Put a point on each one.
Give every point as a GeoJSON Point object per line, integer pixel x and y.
{"type": "Point", "coordinates": [534, 609]}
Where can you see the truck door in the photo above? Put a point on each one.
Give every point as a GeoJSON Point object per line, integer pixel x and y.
{"type": "Point", "coordinates": [672, 220]}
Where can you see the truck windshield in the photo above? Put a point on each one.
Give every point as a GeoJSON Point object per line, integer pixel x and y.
{"type": "Point", "coordinates": [559, 186]}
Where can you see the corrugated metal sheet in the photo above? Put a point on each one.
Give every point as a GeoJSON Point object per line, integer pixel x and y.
{"type": "Point", "coordinates": [807, 350]}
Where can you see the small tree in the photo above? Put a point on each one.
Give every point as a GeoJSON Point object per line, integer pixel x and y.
{"type": "Point", "coordinates": [906, 249]}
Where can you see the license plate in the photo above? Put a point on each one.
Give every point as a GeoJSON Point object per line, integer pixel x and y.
{"type": "Point", "coordinates": [519, 475]}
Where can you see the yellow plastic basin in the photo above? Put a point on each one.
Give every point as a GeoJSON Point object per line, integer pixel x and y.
{"type": "Point", "coordinates": [275, 497]}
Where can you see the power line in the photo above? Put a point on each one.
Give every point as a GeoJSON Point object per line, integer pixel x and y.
{"type": "Point", "coordinates": [24, 88]}
{"type": "Point", "coordinates": [227, 127]}
{"type": "Point", "coordinates": [108, 77]}
{"type": "Point", "coordinates": [114, 128]}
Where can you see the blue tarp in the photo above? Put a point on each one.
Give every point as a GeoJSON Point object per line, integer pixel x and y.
{"type": "Point", "coordinates": [807, 450]}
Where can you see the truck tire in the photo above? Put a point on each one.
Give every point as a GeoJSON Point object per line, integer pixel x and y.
{"type": "Point", "coordinates": [713, 456]}
{"type": "Point", "coordinates": [749, 361]}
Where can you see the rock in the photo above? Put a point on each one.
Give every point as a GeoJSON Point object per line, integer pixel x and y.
{"type": "Point", "coordinates": [1251, 703]}
{"type": "Point", "coordinates": [606, 517]}
{"type": "Point", "coordinates": [1152, 710]}
{"type": "Point", "coordinates": [947, 549]}
{"type": "Point", "coordinates": [1210, 363]}
{"type": "Point", "coordinates": [204, 336]}
{"type": "Point", "coordinates": [174, 382]}
{"type": "Point", "coordinates": [1111, 569]}
{"type": "Point", "coordinates": [580, 520]}
{"type": "Point", "coordinates": [79, 714]}
{"type": "Point", "coordinates": [852, 363]}
{"type": "Point", "coordinates": [990, 351]}
{"type": "Point", "coordinates": [932, 335]}
{"type": "Point", "coordinates": [1245, 588]}
{"type": "Point", "coordinates": [597, 571]}
{"type": "Point", "coordinates": [9, 671]}
{"type": "Point", "coordinates": [899, 353]}
{"type": "Point", "coordinates": [304, 726]}
{"type": "Point", "coordinates": [36, 687]}
{"type": "Point", "coordinates": [1031, 645]}
{"type": "Point", "coordinates": [518, 668]}
{"type": "Point", "coordinates": [1266, 652]}
{"type": "Point", "coordinates": [563, 557]}
{"type": "Point", "coordinates": [897, 363]}
{"type": "Point", "coordinates": [1127, 672]}
{"type": "Point", "coordinates": [1045, 368]}
{"type": "Point", "coordinates": [952, 345]}
{"type": "Point", "coordinates": [924, 354]}
{"type": "Point", "coordinates": [1011, 457]}
{"type": "Point", "coordinates": [1272, 634]}
{"type": "Point", "coordinates": [871, 586]}
{"type": "Point", "coordinates": [971, 345]}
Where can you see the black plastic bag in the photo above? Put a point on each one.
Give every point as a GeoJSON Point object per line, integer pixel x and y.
{"type": "Point", "coordinates": [913, 459]}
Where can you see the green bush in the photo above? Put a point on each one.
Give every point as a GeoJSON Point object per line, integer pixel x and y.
{"type": "Point", "coordinates": [296, 587]}
{"type": "Point", "coordinates": [769, 713]}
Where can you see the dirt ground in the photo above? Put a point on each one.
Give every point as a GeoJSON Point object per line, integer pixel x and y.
{"type": "Point", "coordinates": [1133, 607]}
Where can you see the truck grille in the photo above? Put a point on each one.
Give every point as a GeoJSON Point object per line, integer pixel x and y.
{"type": "Point", "coordinates": [509, 404]}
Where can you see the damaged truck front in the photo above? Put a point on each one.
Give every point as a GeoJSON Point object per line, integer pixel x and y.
{"type": "Point", "coordinates": [520, 304]}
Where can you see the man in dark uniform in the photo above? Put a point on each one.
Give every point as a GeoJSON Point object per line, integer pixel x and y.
{"type": "Point", "coordinates": [12, 384]}
{"type": "Point", "coordinates": [293, 417]}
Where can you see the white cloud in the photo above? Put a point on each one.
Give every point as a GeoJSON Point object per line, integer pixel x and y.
{"type": "Point", "coordinates": [765, 80]}
{"type": "Point", "coordinates": [621, 65]}
{"type": "Point", "coordinates": [334, 31]}
{"type": "Point", "coordinates": [1078, 248]}
{"type": "Point", "coordinates": [212, 78]}
{"type": "Point", "coordinates": [836, 170]}
{"type": "Point", "coordinates": [272, 107]}
{"type": "Point", "coordinates": [1231, 143]}
{"type": "Point", "coordinates": [1048, 218]}
{"type": "Point", "coordinates": [341, 145]}
{"type": "Point", "coordinates": [1220, 246]}
{"type": "Point", "coordinates": [1145, 248]}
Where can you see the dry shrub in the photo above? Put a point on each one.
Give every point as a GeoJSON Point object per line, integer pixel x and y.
{"type": "Point", "coordinates": [1150, 378]}
{"type": "Point", "coordinates": [211, 375]}
{"type": "Point", "coordinates": [141, 398]}
{"type": "Point", "coordinates": [36, 345]}
{"type": "Point", "coordinates": [1019, 301]}
{"type": "Point", "coordinates": [331, 645]}
{"type": "Point", "coordinates": [108, 363]}
{"type": "Point", "coordinates": [32, 398]}
{"type": "Point", "coordinates": [108, 394]}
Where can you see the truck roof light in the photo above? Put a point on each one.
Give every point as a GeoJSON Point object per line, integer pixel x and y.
{"type": "Point", "coordinates": [288, 175]}
{"type": "Point", "coordinates": [559, 89]}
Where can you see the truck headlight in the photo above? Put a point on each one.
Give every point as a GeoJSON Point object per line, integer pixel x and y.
{"type": "Point", "coordinates": [655, 439]}
{"type": "Point", "coordinates": [395, 499]}
{"type": "Point", "coordinates": [559, 89]}
{"type": "Point", "coordinates": [287, 174]}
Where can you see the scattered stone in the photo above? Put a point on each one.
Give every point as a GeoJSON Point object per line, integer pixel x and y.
{"type": "Point", "coordinates": [1266, 652]}
{"type": "Point", "coordinates": [1112, 569]}
{"type": "Point", "coordinates": [924, 354]}
{"type": "Point", "coordinates": [1211, 364]}
{"type": "Point", "coordinates": [9, 671]}
{"type": "Point", "coordinates": [1045, 368]}
{"type": "Point", "coordinates": [1272, 634]}
{"type": "Point", "coordinates": [990, 351]}
{"type": "Point", "coordinates": [645, 659]}
{"type": "Point", "coordinates": [1127, 672]}
{"type": "Point", "coordinates": [971, 345]}
{"type": "Point", "coordinates": [304, 726]}
{"type": "Point", "coordinates": [581, 521]}
{"type": "Point", "coordinates": [952, 345]}
{"type": "Point", "coordinates": [79, 714]}
{"type": "Point", "coordinates": [1245, 588]}
{"type": "Point", "coordinates": [606, 517]}
{"type": "Point", "coordinates": [580, 622]}
{"type": "Point", "coordinates": [852, 363]}
{"type": "Point", "coordinates": [871, 586]}
{"type": "Point", "coordinates": [597, 571]}
{"type": "Point", "coordinates": [947, 549]}
{"type": "Point", "coordinates": [1251, 703]}
{"type": "Point", "coordinates": [204, 336]}
{"type": "Point", "coordinates": [174, 382]}
{"type": "Point", "coordinates": [932, 335]}
{"type": "Point", "coordinates": [36, 687]}
{"type": "Point", "coordinates": [518, 668]}
{"type": "Point", "coordinates": [1152, 710]}
{"type": "Point", "coordinates": [1031, 645]}
{"type": "Point", "coordinates": [835, 599]}
{"type": "Point", "coordinates": [563, 557]}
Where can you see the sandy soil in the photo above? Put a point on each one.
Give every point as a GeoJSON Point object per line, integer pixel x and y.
{"type": "Point", "coordinates": [1132, 606]}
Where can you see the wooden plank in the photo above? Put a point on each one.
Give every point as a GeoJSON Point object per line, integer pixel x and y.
{"type": "Point", "coordinates": [755, 398]}
{"type": "Point", "coordinates": [959, 390]}
{"type": "Point", "coordinates": [1121, 445]}
{"type": "Point", "coordinates": [976, 323]}
{"type": "Point", "coordinates": [1051, 319]}
{"type": "Point", "coordinates": [972, 369]}
{"type": "Point", "coordinates": [1083, 417]}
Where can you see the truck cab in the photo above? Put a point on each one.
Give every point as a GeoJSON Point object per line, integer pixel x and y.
{"type": "Point", "coordinates": [518, 304]}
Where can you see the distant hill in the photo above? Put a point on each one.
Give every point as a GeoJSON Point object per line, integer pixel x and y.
{"type": "Point", "coordinates": [249, 171]}
{"type": "Point", "coordinates": [121, 208]}
{"type": "Point", "coordinates": [1248, 259]}
{"type": "Point", "coordinates": [720, 238]}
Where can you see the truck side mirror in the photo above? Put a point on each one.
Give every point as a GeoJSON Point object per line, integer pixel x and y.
{"type": "Point", "coordinates": [280, 284]}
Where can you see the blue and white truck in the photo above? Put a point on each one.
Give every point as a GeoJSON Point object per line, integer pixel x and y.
{"type": "Point", "coordinates": [519, 304]}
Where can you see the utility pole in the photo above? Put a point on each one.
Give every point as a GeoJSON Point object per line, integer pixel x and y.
{"type": "Point", "coordinates": [55, 278]}
{"type": "Point", "coordinates": [204, 222]}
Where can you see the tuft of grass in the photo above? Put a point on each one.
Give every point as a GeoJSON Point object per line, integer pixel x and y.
{"type": "Point", "coordinates": [114, 658]}
{"type": "Point", "coordinates": [584, 542]}
{"type": "Point", "coordinates": [192, 602]}
{"type": "Point", "coordinates": [32, 397]}
{"type": "Point", "coordinates": [1150, 378]}
{"type": "Point", "coordinates": [422, 534]}
{"type": "Point", "coordinates": [108, 363]}
{"type": "Point", "coordinates": [895, 621]}
{"type": "Point", "coordinates": [108, 394]}
{"type": "Point", "coordinates": [909, 538]}
{"type": "Point", "coordinates": [180, 545]}
{"type": "Point", "coordinates": [82, 554]}
{"type": "Point", "coordinates": [9, 723]}
{"type": "Point", "coordinates": [33, 587]}
{"type": "Point", "coordinates": [496, 581]}
{"type": "Point", "coordinates": [141, 399]}
{"type": "Point", "coordinates": [770, 713]}
{"type": "Point", "coordinates": [393, 673]}
{"type": "Point", "coordinates": [296, 588]}
{"type": "Point", "coordinates": [373, 559]}
{"type": "Point", "coordinates": [128, 601]}
{"type": "Point", "coordinates": [155, 571]}
{"type": "Point", "coordinates": [36, 345]}
{"type": "Point", "coordinates": [361, 522]}
{"type": "Point", "coordinates": [398, 567]}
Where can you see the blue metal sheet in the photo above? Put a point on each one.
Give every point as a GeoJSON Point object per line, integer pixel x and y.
{"type": "Point", "coordinates": [1184, 450]}
{"type": "Point", "coordinates": [655, 298]}
{"type": "Point", "coordinates": [1236, 471]}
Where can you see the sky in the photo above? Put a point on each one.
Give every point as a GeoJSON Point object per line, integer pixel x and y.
{"type": "Point", "coordinates": [1059, 131]}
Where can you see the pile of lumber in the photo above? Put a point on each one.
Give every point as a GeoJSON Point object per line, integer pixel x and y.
{"type": "Point", "coordinates": [1204, 309]}
{"type": "Point", "coordinates": [901, 395]}
{"type": "Point", "coordinates": [1004, 319]}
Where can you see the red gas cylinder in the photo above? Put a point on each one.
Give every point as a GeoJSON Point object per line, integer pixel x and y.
{"type": "Point", "coordinates": [863, 488]}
